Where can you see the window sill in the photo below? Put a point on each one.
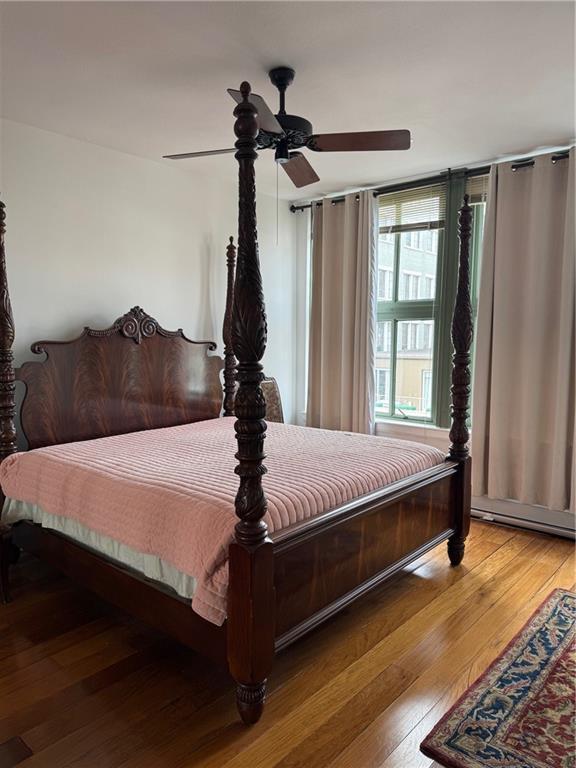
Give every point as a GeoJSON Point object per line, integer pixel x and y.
{"type": "Point", "coordinates": [407, 423]}
{"type": "Point", "coordinates": [420, 433]}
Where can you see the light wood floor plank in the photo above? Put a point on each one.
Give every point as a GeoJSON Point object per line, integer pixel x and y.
{"type": "Point", "coordinates": [441, 683]}
{"type": "Point", "coordinates": [83, 686]}
{"type": "Point", "coordinates": [327, 661]}
{"type": "Point", "coordinates": [307, 666]}
{"type": "Point", "coordinates": [281, 739]}
{"type": "Point", "coordinates": [405, 753]}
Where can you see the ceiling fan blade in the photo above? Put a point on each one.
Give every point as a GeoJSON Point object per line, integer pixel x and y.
{"type": "Point", "coordinates": [300, 171]}
{"type": "Point", "coordinates": [266, 119]}
{"type": "Point", "coordinates": [184, 155]}
{"type": "Point", "coordinates": [366, 141]}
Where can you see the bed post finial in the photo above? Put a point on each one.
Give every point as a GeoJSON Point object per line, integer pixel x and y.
{"type": "Point", "coordinates": [7, 375]}
{"type": "Point", "coordinates": [229, 358]}
{"type": "Point", "coordinates": [251, 593]}
{"type": "Point", "coordinates": [462, 332]}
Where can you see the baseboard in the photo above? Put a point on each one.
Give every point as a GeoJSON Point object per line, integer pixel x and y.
{"type": "Point", "coordinates": [535, 518]}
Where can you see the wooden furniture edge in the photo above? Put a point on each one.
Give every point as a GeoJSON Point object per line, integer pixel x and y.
{"type": "Point", "coordinates": [136, 324]}
{"type": "Point", "coordinates": [130, 376]}
{"type": "Point", "coordinates": [462, 336]}
{"type": "Point", "coordinates": [320, 571]}
{"type": "Point", "coordinates": [8, 552]}
{"type": "Point", "coordinates": [251, 567]}
{"type": "Point", "coordinates": [229, 356]}
{"type": "Point", "coordinates": [7, 372]}
{"type": "Point", "coordinates": [313, 621]}
{"type": "Point", "coordinates": [293, 534]}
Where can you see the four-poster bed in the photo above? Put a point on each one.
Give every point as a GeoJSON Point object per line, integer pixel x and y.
{"type": "Point", "coordinates": [136, 376]}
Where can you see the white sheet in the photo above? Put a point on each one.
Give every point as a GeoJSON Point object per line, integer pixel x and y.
{"type": "Point", "coordinates": [148, 565]}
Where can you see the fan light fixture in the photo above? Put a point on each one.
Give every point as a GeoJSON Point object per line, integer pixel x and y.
{"type": "Point", "coordinates": [282, 154]}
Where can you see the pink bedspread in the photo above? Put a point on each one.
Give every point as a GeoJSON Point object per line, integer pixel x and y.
{"type": "Point", "coordinates": [170, 492]}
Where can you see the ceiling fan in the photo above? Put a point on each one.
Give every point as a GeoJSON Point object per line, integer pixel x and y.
{"type": "Point", "coordinates": [286, 134]}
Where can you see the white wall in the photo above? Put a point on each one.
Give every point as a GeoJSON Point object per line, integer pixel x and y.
{"type": "Point", "coordinates": [92, 232]}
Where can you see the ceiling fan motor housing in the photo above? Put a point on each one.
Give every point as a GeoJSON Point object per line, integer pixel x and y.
{"type": "Point", "coordinates": [297, 130]}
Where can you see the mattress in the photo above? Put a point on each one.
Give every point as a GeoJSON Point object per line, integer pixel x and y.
{"type": "Point", "coordinates": [168, 494]}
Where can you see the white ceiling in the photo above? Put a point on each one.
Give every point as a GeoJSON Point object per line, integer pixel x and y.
{"type": "Point", "coordinates": [471, 80]}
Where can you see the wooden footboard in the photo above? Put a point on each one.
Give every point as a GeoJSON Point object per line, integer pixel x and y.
{"type": "Point", "coordinates": [323, 565]}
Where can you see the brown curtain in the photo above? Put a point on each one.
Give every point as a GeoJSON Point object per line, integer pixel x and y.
{"type": "Point", "coordinates": [341, 357]}
{"type": "Point", "coordinates": [523, 420]}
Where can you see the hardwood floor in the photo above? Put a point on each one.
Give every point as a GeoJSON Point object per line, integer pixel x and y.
{"type": "Point", "coordinates": [82, 686]}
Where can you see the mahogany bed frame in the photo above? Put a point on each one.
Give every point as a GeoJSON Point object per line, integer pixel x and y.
{"type": "Point", "coordinates": [135, 375]}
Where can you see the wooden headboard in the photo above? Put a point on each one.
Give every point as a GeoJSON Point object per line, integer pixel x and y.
{"type": "Point", "coordinates": [132, 376]}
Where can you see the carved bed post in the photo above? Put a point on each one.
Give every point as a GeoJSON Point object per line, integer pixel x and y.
{"type": "Point", "coordinates": [8, 552]}
{"type": "Point", "coordinates": [251, 592]}
{"type": "Point", "coordinates": [462, 332]}
{"type": "Point", "coordinates": [7, 375]}
{"type": "Point", "coordinates": [229, 357]}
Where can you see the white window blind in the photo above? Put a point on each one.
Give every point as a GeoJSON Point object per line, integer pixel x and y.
{"type": "Point", "coordinates": [477, 188]}
{"type": "Point", "coordinates": [413, 209]}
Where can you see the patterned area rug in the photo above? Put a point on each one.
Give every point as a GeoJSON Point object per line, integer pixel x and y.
{"type": "Point", "coordinates": [521, 712]}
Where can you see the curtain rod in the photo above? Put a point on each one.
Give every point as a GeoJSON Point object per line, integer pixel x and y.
{"type": "Point", "coordinates": [529, 162]}
{"type": "Point", "coordinates": [424, 182]}
{"type": "Point", "coordinates": [481, 171]}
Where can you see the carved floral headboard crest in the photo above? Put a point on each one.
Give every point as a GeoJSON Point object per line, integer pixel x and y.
{"type": "Point", "coordinates": [137, 324]}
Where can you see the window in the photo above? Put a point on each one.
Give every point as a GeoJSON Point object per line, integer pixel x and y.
{"type": "Point", "coordinates": [429, 287]}
{"type": "Point", "coordinates": [426, 390]}
{"type": "Point", "coordinates": [413, 358]}
{"type": "Point", "coordinates": [415, 336]}
{"type": "Point", "coordinates": [383, 372]}
{"type": "Point", "coordinates": [409, 285]}
{"type": "Point", "coordinates": [417, 277]}
{"type": "Point", "coordinates": [383, 336]}
{"type": "Point", "coordinates": [382, 389]}
{"type": "Point", "coordinates": [385, 283]}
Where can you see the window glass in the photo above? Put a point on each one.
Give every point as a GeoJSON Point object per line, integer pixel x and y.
{"type": "Point", "coordinates": [415, 343]}
{"type": "Point", "coordinates": [383, 337]}
{"type": "Point", "coordinates": [385, 285]}
{"type": "Point", "coordinates": [417, 265]}
{"type": "Point", "coordinates": [386, 254]}
{"type": "Point", "coordinates": [383, 369]}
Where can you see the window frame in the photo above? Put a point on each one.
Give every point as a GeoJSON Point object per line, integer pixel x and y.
{"type": "Point", "coordinates": [438, 309]}
{"type": "Point", "coordinates": [400, 310]}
